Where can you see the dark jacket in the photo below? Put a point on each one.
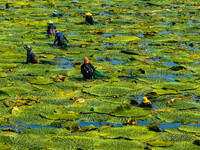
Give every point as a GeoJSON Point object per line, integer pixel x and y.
{"type": "Point", "coordinates": [90, 68]}
{"type": "Point", "coordinates": [31, 57]}
{"type": "Point", "coordinates": [56, 15]}
{"type": "Point", "coordinates": [51, 26]}
{"type": "Point", "coordinates": [60, 38]}
{"type": "Point", "coordinates": [148, 104]}
{"type": "Point", "coordinates": [89, 20]}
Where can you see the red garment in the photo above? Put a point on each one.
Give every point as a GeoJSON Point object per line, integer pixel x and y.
{"type": "Point", "coordinates": [34, 61]}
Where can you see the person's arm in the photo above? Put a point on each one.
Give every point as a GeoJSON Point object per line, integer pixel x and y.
{"type": "Point", "coordinates": [66, 39]}
{"type": "Point", "coordinates": [56, 38]}
{"type": "Point", "coordinates": [151, 105]}
{"type": "Point", "coordinates": [83, 71]}
{"type": "Point", "coordinates": [28, 60]}
{"type": "Point", "coordinates": [92, 67]}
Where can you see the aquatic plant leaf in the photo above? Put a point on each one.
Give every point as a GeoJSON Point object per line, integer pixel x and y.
{"type": "Point", "coordinates": [128, 111]}
{"type": "Point", "coordinates": [160, 143]}
{"type": "Point", "coordinates": [3, 75]}
{"type": "Point", "coordinates": [61, 115]}
{"type": "Point", "coordinates": [15, 90]}
{"type": "Point", "coordinates": [122, 38]}
{"type": "Point", "coordinates": [118, 144]}
{"type": "Point", "coordinates": [63, 86]}
{"type": "Point", "coordinates": [32, 114]}
{"type": "Point", "coordinates": [176, 137]}
{"type": "Point", "coordinates": [177, 116]}
{"type": "Point", "coordinates": [179, 145]}
{"type": "Point", "coordinates": [180, 104]}
{"type": "Point", "coordinates": [112, 89]}
{"type": "Point", "coordinates": [8, 66]}
{"type": "Point", "coordinates": [107, 90]}
{"type": "Point", "coordinates": [190, 129]}
{"type": "Point", "coordinates": [164, 91]}
{"type": "Point", "coordinates": [95, 117]}
{"type": "Point", "coordinates": [94, 105]}
{"type": "Point", "coordinates": [73, 142]}
{"type": "Point", "coordinates": [129, 132]}
{"type": "Point", "coordinates": [29, 141]}
{"type": "Point", "coordinates": [5, 146]}
{"type": "Point", "coordinates": [175, 86]}
{"type": "Point", "coordinates": [41, 80]}
{"type": "Point", "coordinates": [3, 95]}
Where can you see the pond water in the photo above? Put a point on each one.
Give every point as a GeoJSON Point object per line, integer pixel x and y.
{"type": "Point", "coordinates": [169, 64]}
{"type": "Point", "coordinates": [97, 124]}
{"type": "Point", "coordinates": [140, 35]}
{"type": "Point", "coordinates": [111, 61]}
{"type": "Point", "coordinates": [175, 125]}
{"type": "Point", "coordinates": [80, 123]}
{"type": "Point", "coordinates": [168, 77]}
{"type": "Point", "coordinates": [17, 128]}
{"type": "Point", "coordinates": [67, 63]}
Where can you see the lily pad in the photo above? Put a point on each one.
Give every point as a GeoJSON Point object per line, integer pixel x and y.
{"type": "Point", "coordinates": [128, 132]}
{"type": "Point", "coordinates": [160, 143]}
{"type": "Point", "coordinates": [5, 146]}
{"type": "Point", "coordinates": [3, 95]}
{"type": "Point", "coordinates": [190, 129]}
{"type": "Point", "coordinates": [113, 144]}
{"type": "Point", "coordinates": [176, 86]}
{"type": "Point", "coordinates": [128, 111]}
{"type": "Point", "coordinates": [3, 75]}
{"type": "Point", "coordinates": [112, 89]}
{"type": "Point", "coordinates": [41, 80]}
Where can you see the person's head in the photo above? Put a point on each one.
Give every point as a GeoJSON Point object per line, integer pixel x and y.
{"type": "Point", "coordinates": [145, 100]}
{"type": "Point", "coordinates": [54, 12]}
{"type": "Point", "coordinates": [50, 22]}
{"type": "Point", "coordinates": [88, 14]}
{"type": "Point", "coordinates": [86, 60]}
{"type": "Point", "coordinates": [28, 48]}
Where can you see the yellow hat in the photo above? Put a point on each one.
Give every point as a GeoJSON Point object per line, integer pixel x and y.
{"type": "Point", "coordinates": [144, 100]}
{"type": "Point", "coordinates": [88, 14]}
{"type": "Point", "coordinates": [50, 21]}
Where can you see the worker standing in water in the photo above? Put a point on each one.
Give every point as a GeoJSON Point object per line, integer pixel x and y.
{"type": "Point", "coordinates": [146, 103]}
{"type": "Point", "coordinates": [89, 19]}
{"type": "Point", "coordinates": [30, 56]}
{"type": "Point", "coordinates": [87, 69]}
{"type": "Point", "coordinates": [61, 39]}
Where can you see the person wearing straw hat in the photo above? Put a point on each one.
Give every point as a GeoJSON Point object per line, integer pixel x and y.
{"type": "Point", "coordinates": [146, 103]}
{"type": "Point", "coordinates": [30, 56]}
{"type": "Point", "coordinates": [61, 39]}
{"type": "Point", "coordinates": [87, 69]}
{"type": "Point", "coordinates": [89, 19]}
{"type": "Point", "coordinates": [51, 28]}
